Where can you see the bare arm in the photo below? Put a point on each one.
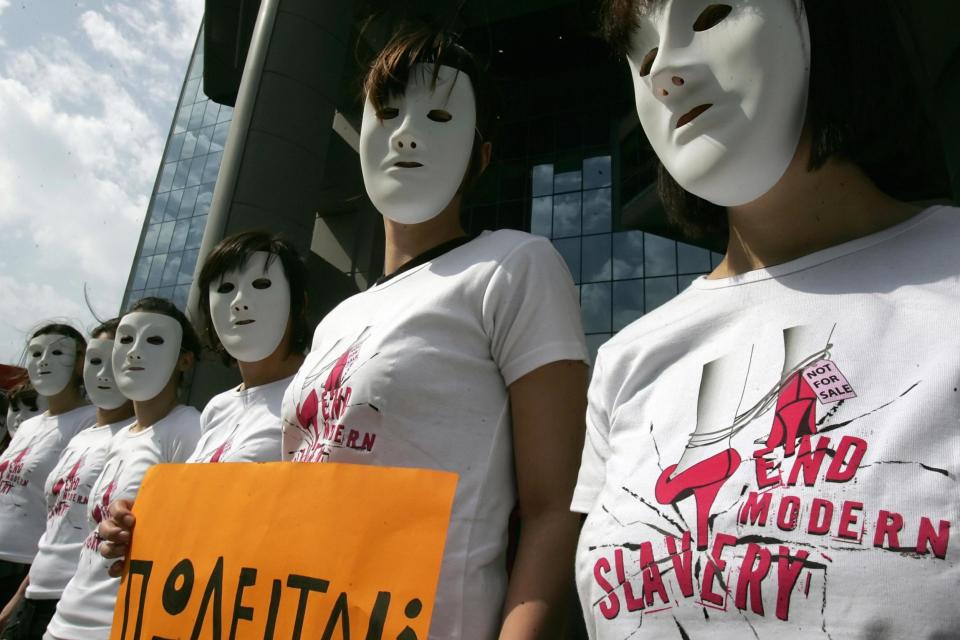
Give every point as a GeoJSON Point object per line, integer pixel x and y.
{"type": "Point", "coordinates": [548, 407]}
{"type": "Point", "coordinates": [15, 601]}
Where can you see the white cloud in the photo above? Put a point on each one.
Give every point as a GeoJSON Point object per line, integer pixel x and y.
{"type": "Point", "coordinates": [83, 117]}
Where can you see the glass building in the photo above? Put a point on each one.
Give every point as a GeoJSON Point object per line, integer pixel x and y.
{"type": "Point", "coordinates": [172, 231]}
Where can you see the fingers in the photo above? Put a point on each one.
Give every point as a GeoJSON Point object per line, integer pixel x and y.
{"type": "Point", "coordinates": [111, 550]}
{"type": "Point", "coordinates": [116, 569]}
{"type": "Point", "coordinates": [118, 527]}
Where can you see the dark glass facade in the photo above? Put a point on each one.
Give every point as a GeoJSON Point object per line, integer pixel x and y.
{"type": "Point", "coordinates": [175, 221]}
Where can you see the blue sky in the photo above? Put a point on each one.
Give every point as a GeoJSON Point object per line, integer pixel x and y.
{"type": "Point", "coordinates": [87, 93]}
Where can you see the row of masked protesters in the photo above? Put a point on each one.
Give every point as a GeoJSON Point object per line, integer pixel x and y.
{"type": "Point", "coordinates": [772, 454]}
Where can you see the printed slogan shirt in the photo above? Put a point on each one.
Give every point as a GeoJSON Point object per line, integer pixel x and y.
{"type": "Point", "coordinates": [414, 372]}
{"type": "Point", "coordinates": [776, 455]}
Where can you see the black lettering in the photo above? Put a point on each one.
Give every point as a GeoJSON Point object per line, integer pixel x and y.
{"type": "Point", "coordinates": [305, 584]}
{"type": "Point", "coordinates": [248, 577]}
{"type": "Point", "coordinates": [214, 590]}
{"type": "Point", "coordinates": [142, 568]}
{"type": "Point", "coordinates": [340, 610]}
{"type": "Point", "coordinates": [378, 617]}
{"type": "Point", "coordinates": [272, 611]}
{"type": "Point", "coordinates": [174, 599]}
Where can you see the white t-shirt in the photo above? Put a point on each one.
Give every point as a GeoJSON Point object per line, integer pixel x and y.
{"type": "Point", "coordinates": [68, 494]}
{"type": "Point", "coordinates": [24, 467]}
{"type": "Point", "coordinates": [242, 425]}
{"type": "Point", "coordinates": [414, 372]}
{"type": "Point", "coordinates": [776, 455]}
{"type": "Point", "coordinates": [85, 610]}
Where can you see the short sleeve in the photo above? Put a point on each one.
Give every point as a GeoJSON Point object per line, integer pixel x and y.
{"type": "Point", "coordinates": [596, 446]}
{"type": "Point", "coordinates": [531, 312]}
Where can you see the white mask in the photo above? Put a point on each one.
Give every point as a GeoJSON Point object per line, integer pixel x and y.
{"type": "Point", "coordinates": [145, 353]}
{"type": "Point", "coordinates": [98, 378]}
{"type": "Point", "coordinates": [23, 412]}
{"type": "Point", "coordinates": [250, 307]}
{"type": "Point", "coordinates": [433, 131]}
{"type": "Point", "coordinates": [50, 360]}
{"type": "Point", "coordinates": [752, 65]}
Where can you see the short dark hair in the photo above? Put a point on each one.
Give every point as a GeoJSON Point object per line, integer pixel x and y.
{"type": "Point", "coordinates": [862, 104]}
{"type": "Point", "coordinates": [414, 43]}
{"type": "Point", "coordinates": [108, 327]}
{"type": "Point", "coordinates": [189, 343]}
{"type": "Point", "coordinates": [23, 394]}
{"type": "Point", "coordinates": [232, 253]}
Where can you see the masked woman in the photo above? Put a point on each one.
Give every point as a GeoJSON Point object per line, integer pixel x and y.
{"type": "Point", "coordinates": [67, 493]}
{"type": "Point", "coordinates": [774, 453]}
{"type": "Point", "coordinates": [55, 366]}
{"type": "Point", "coordinates": [23, 404]}
{"type": "Point", "coordinates": [155, 346]}
{"type": "Point", "coordinates": [466, 356]}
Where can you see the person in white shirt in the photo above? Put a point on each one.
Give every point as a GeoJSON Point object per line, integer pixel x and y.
{"type": "Point", "coordinates": [253, 308]}
{"type": "Point", "coordinates": [155, 346]}
{"type": "Point", "coordinates": [468, 354]}
{"type": "Point", "coordinates": [55, 367]}
{"type": "Point", "coordinates": [67, 493]}
{"type": "Point", "coordinates": [774, 453]}
{"type": "Point", "coordinates": [24, 403]}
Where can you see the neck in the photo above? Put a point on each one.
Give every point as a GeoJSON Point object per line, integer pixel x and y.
{"type": "Point", "coordinates": [151, 411]}
{"type": "Point", "coordinates": [404, 242]}
{"type": "Point", "coordinates": [807, 211]}
{"type": "Point", "coordinates": [269, 369]}
{"type": "Point", "coordinates": [67, 400]}
{"type": "Point", "coordinates": [110, 416]}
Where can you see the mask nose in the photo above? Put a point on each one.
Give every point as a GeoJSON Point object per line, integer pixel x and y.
{"type": "Point", "coordinates": [668, 84]}
{"type": "Point", "coordinates": [404, 140]}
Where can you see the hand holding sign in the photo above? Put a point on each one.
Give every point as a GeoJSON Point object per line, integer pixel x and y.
{"type": "Point", "coordinates": [284, 550]}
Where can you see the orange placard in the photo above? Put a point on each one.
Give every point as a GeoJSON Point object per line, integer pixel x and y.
{"type": "Point", "coordinates": [284, 550]}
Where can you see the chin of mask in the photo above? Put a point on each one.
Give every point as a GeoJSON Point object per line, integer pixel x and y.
{"type": "Point", "coordinates": [415, 152]}
{"type": "Point", "coordinates": [16, 417]}
{"type": "Point", "coordinates": [145, 353]}
{"type": "Point", "coordinates": [250, 307]}
{"type": "Point", "coordinates": [50, 360]}
{"type": "Point", "coordinates": [721, 91]}
{"type": "Point", "coordinates": [98, 378]}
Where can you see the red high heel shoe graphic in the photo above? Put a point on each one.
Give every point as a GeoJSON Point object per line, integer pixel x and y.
{"type": "Point", "coordinates": [795, 416]}
{"type": "Point", "coordinates": [703, 481]}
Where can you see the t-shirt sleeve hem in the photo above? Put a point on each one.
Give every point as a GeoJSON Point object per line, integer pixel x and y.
{"type": "Point", "coordinates": [544, 355]}
{"type": "Point", "coordinates": [583, 499]}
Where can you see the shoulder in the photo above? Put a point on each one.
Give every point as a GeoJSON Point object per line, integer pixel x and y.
{"type": "Point", "coordinates": [506, 242]}
{"type": "Point", "coordinates": [183, 419]}
{"type": "Point", "coordinates": [219, 402]}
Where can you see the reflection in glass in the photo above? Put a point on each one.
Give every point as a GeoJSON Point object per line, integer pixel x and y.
{"type": "Point", "coordinates": [203, 141]}
{"type": "Point", "coordinates": [543, 180]}
{"type": "Point", "coordinates": [165, 292]}
{"type": "Point", "coordinates": [196, 170]}
{"type": "Point", "coordinates": [627, 302]}
{"type": "Point", "coordinates": [188, 201]}
{"type": "Point", "coordinates": [658, 291]}
{"type": "Point", "coordinates": [179, 240]}
{"type": "Point", "coordinates": [150, 240]}
{"type": "Point", "coordinates": [166, 177]}
{"type": "Point", "coordinates": [180, 295]}
{"type": "Point", "coordinates": [204, 198]}
{"type": "Point", "coordinates": [183, 118]}
{"type": "Point", "coordinates": [596, 211]}
{"type": "Point", "coordinates": [163, 240]}
{"type": "Point", "coordinates": [210, 115]}
{"type": "Point", "coordinates": [170, 270]}
{"type": "Point", "coordinates": [692, 259]}
{"type": "Point", "coordinates": [570, 250]}
{"type": "Point", "coordinates": [180, 177]}
{"type": "Point", "coordinates": [190, 91]}
{"type": "Point", "coordinates": [541, 213]}
{"type": "Point", "coordinates": [195, 235]}
{"type": "Point", "coordinates": [187, 264]}
{"type": "Point", "coordinates": [686, 280]}
{"type": "Point", "coordinates": [175, 146]}
{"type": "Point", "coordinates": [596, 258]}
{"type": "Point", "coordinates": [565, 182]}
{"type": "Point", "coordinates": [196, 115]}
{"type": "Point", "coordinates": [225, 113]}
{"type": "Point", "coordinates": [566, 215]}
{"type": "Point", "coordinates": [211, 167]}
{"type": "Point", "coordinates": [596, 172]}
{"type": "Point", "coordinates": [156, 270]}
{"type": "Point", "coordinates": [219, 136]}
{"type": "Point", "coordinates": [627, 255]}
{"type": "Point", "coordinates": [660, 256]}
{"type": "Point", "coordinates": [189, 145]}
{"type": "Point", "coordinates": [595, 307]}
{"type": "Point", "coordinates": [143, 270]}
{"type": "Point", "coordinates": [158, 206]}
{"type": "Point", "coordinates": [173, 205]}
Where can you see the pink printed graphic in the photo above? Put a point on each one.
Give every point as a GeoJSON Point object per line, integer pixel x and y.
{"type": "Point", "coordinates": [10, 471]}
{"type": "Point", "coordinates": [830, 385]}
{"type": "Point", "coordinates": [59, 484]}
{"type": "Point", "coordinates": [795, 415]}
{"type": "Point", "coordinates": [219, 452]}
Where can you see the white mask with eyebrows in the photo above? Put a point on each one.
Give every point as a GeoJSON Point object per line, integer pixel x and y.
{"type": "Point", "coordinates": [415, 153]}
{"type": "Point", "coordinates": [721, 90]}
{"type": "Point", "coordinates": [145, 353]}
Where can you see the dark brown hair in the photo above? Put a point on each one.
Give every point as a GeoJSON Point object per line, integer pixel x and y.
{"type": "Point", "coordinates": [23, 394]}
{"type": "Point", "coordinates": [416, 43]}
{"type": "Point", "coordinates": [231, 254]}
{"type": "Point", "coordinates": [108, 327]}
{"type": "Point", "coordinates": [862, 105]}
{"type": "Point", "coordinates": [189, 343]}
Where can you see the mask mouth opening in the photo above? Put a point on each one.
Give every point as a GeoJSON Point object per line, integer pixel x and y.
{"type": "Point", "coordinates": [407, 165]}
{"type": "Point", "coordinates": [243, 323]}
{"type": "Point", "coordinates": [691, 115]}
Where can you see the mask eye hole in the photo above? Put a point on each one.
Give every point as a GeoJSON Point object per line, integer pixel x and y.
{"type": "Point", "coordinates": [647, 63]}
{"type": "Point", "coordinates": [126, 339]}
{"type": "Point", "coordinates": [711, 16]}
{"type": "Point", "coordinates": [262, 283]}
{"type": "Point", "coordinates": [96, 362]}
{"type": "Point", "coordinates": [225, 287]}
{"type": "Point", "coordinates": [157, 340]}
{"type": "Point", "coordinates": [388, 113]}
{"type": "Point", "coordinates": [439, 115]}
{"type": "Point", "coordinates": [57, 352]}
{"type": "Point", "coordinates": [36, 354]}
